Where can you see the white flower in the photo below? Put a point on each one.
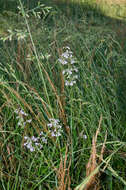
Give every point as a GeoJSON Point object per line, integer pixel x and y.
{"type": "Point", "coordinates": [72, 61]}
{"type": "Point", "coordinates": [38, 145]}
{"type": "Point", "coordinates": [63, 72]}
{"type": "Point", "coordinates": [66, 83]}
{"type": "Point", "coordinates": [41, 133]}
{"type": "Point", "coordinates": [19, 123]}
{"type": "Point", "coordinates": [55, 129]}
{"type": "Point", "coordinates": [65, 55]}
{"type": "Point", "coordinates": [34, 139]}
{"type": "Point", "coordinates": [75, 69]}
{"type": "Point", "coordinates": [49, 124]}
{"type": "Point", "coordinates": [22, 113]}
{"type": "Point", "coordinates": [69, 72]}
{"type": "Point", "coordinates": [53, 134]}
{"type": "Point", "coordinates": [59, 126]}
{"type": "Point", "coordinates": [29, 145]}
{"type": "Point", "coordinates": [74, 82]}
{"type": "Point", "coordinates": [54, 121]}
{"type": "Point", "coordinates": [25, 137]}
{"type": "Point", "coordinates": [70, 52]}
{"type": "Point", "coordinates": [21, 120]}
{"type": "Point", "coordinates": [25, 144]}
{"type": "Point", "coordinates": [58, 134]}
{"type": "Point", "coordinates": [85, 136]}
{"type": "Point", "coordinates": [32, 149]}
{"type": "Point", "coordinates": [63, 62]}
{"type": "Point", "coordinates": [29, 121]}
{"type": "Point", "coordinates": [71, 83]}
{"type": "Point", "coordinates": [67, 47]}
{"type": "Point", "coordinates": [44, 139]}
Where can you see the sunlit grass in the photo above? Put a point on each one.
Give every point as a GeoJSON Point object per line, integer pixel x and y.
{"type": "Point", "coordinates": [112, 8]}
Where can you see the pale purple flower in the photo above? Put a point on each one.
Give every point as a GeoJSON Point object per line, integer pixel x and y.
{"type": "Point", "coordinates": [29, 121]}
{"type": "Point", "coordinates": [44, 140]}
{"type": "Point", "coordinates": [65, 55]}
{"type": "Point", "coordinates": [53, 134]}
{"type": "Point", "coordinates": [63, 62]}
{"type": "Point", "coordinates": [34, 139]}
{"type": "Point", "coordinates": [23, 113]}
{"type": "Point", "coordinates": [71, 83]}
{"type": "Point", "coordinates": [55, 130]}
{"type": "Point", "coordinates": [38, 145]}
{"type": "Point", "coordinates": [29, 145]}
{"type": "Point", "coordinates": [66, 83]}
{"type": "Point", "coordinates": [32, 149]}
{"type": "Point", "coordinates": [49, 124]}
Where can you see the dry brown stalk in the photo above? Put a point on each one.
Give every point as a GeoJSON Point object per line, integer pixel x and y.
{"type": "Point", "coordinates": [63, 175]}
{"type": "Point", "coordinates": [11, 158]}
{"type": "Point", "coordinates": [63, 116]}
{"type": "Point", "coordinates": [58, 99]}
{"type": "Point", "coordinates": [62, 89]}
{"type": "Point", "coordinates": [103, 149]}
{"type": "Point", "coordinates": [43, 103]}
{"type": "Point", "coordinates": [20, 57]}
{"type": "Point", "coordinates": [23, 63]}
{"type": "Point", "coordinates": [94, 161]}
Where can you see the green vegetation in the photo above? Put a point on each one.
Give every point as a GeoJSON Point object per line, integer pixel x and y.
{"type": "Point", "coordinates": [62, 78]}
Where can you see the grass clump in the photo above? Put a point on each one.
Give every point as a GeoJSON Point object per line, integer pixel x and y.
{"type": "Point", "coordinates": [58, 76]}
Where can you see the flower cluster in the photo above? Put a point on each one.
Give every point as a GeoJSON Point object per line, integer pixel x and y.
{"type": "Point", "coordinates": [54, 128]}
{"type": "Point", "coordinates": [69, 73]}
{"type": "Point", "coordinates": [33, 143]}
{"type": "Point", "coordinates": [21, 116]}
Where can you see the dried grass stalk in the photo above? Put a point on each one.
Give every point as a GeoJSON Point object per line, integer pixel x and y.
{"type": "Point", "coordinates": [94, 161]}
{"type": "Point", "coordinates": [63, 173]}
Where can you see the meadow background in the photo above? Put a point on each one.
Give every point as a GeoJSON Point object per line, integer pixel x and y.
{"type": "Point", "coordinates": [62, 95]}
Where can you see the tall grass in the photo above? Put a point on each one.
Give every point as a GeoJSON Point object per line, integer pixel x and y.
{"type": "Point", "coordinates": [33, 95]}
